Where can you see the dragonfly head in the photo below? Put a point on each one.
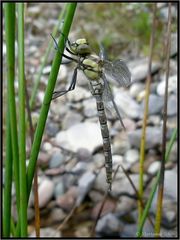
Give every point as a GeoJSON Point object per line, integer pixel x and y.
{"type": "Point", "coordinates": [81, 47]}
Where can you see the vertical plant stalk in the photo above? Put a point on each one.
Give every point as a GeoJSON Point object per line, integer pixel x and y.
{"type": "Point", "coordinates": [8, 180]}
{"type": "Point", "coordinates": [37, 80]}
{"type": "Point", "coordinates": [36, 196]}
{"type": "Point", "coordinates": [151, 195]}
{"type": "Point", "coordinates": [70, 9]}
{"type": "Point", "coordinates": [48, 96]}
{"type": "Point", "coordinates": [29, 107]}
{"type": "Point", "coordinates": [137, 193]}
{"type": "Point", "coordinates": [22, 126]}
{"type": "Point", "coordinates": [10, 47]}
{"type": "Point", "coordinates": [162, 169]}
{"type": "Point", "coordinates": [143, 136]}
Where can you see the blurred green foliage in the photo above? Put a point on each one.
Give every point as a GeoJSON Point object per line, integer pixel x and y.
{"type": "Point", "coordinates": [123, 28]}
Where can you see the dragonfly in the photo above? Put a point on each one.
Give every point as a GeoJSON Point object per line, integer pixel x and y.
{"type": "Point", "coordinates": [98, 70]}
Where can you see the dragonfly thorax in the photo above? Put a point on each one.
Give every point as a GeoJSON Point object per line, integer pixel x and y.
{"type": "Point", "coordinates": [80, 47]}
{"type": "Point", "coordinates": [91, 68]}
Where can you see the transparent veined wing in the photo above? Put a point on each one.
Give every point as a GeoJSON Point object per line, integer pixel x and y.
{"type": "Point", "coordinates": [109, 102]}
{"type": "Point", "coordinates": [118, 71]}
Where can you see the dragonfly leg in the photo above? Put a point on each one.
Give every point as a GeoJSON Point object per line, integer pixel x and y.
{"type": "Point", "coordinates": [57, 94]}
{"type": "Point", "coordinates": [65, 38]}
{"type": "Point", "coordinates": [64, 55]}
{"type": "Point", "coordinates": [69, 43]}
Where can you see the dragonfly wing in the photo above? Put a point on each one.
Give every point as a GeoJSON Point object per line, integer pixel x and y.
{"type": "Point", "coordinates": [119, 71]}
{"type": "Point", "coordinates": [102, 53]}
{"type": "Point", "coordinates": [109, 100]}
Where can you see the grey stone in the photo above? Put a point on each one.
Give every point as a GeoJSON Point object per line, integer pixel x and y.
{"type": "Point", "coordinates": [83, 155]}
{"type": "Point", "coordinates": [78, 94]}
{"type": "Point", "coordinates": [80, 167]}
{"type": "Point", "coordinates": [45, 190]}
{"type": "Point", "coordinates": [127, 104]}
{"type": "Point", "coordinates": [47, 147]}
{"type": "Point", "coordinates": [85, 183]}
{"type": "Point", "coordinates": [70, 119]}
{"type": "Point", "coordinates": [86, 180]}
{"type": "Point", "coordinates": [98, 160]}
{"type": "Point", "coordinates": [136, 88]}
{"type": "Point", "coordinates": [170, 190]}
{"type": "Point", "coordinates": [155, 104]}
{"type": "Point", "coordinates": [57, 160]}
{"type": "Point", "coordinates": [119, 160]}
{"type": "Point", "coordinates": [108, 224]}
{"type": "Point", "coordinates": [138, 69]}
{"type": "Point", "coordinates": [170, 184]}
{"type": "Point", "coordinates": [83, 135]}
{"type": "Point", "coordinates": [172, 105]}
{"type": "Point", "coordinates": [172, 85]}
{"type": "Point", "coordinates": [90, 109]}
{"type": "Point", "coordinates": [132, 155]}
{"type": "Point", "coordinates": [100, 182]}
{"type": "Point", "coordinates": [120, 143]}
{"type": "Point", "coordinates": [52, 128]}
{"type": "Point", "coordinates": [154, 167]}
{"type": "Point", "coordinates": [170, 215]}
{"type": "Point", "coordinates": [153, 137]}
{"type": "Point", "coordinates": [69, 180]}
{"type": "Point", "coordinates": [56, 215]}
{"type": "Point", "coordinates": [154, 119]}
{"type": "Point", "coordinates": [47, 232]}
{"type": "Point", "coordinates": [123, 185]}
{"type": "Point", "coordinates": [59, 189]}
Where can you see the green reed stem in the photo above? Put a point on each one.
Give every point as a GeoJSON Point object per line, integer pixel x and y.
{"type": "Point", "coordinates": [146, 109]}
{"type": "Point", "coordinates": [8, 181]}
{"type": "Point", "coordinates": [10, 47]}
{"type": "Point", "coordinates": [70, 10]}
{"type": "Point", "coordinates": [154, 188]}
{"type": "Point", "coordinates": [22, 126]}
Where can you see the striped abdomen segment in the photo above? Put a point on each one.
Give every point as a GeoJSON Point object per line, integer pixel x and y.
{"type": "Point", "coordinates": [106, 139]}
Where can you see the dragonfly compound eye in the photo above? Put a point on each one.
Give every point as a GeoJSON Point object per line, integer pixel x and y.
{"type": "Point", "coordinates": [81, 47]}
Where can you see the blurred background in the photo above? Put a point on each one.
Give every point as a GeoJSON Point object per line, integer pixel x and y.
{"type": "Point", "coordinates": [71, 161]}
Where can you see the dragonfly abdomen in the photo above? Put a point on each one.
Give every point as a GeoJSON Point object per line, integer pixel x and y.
{"type": "Point", "coordinates": [106, 139]}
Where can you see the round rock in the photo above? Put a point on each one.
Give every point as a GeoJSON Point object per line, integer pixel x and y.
{"type": "Point", "coordinates": [172, 105]}
{"type": "Point", "coordinates": [45, 190]}
{"type": "Point", "coordinates": [83, 135]}
{"type": "Point", "coordinates": [155, 104]}
{"type": "Point", "coordinates": [127, 104]}
{"type": "Point", "coordinates": [56, 160]}
{"type": "Point", "coordinates": [132, 155]}
{"type": "Point", "coordinates": [154, 167]}
{"type": "Point", "coordinates": [108, 224]}
{"type": "Point", "coordinates": [70, 119]}
{"type": "Point", "coordinates": [153, 137]}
